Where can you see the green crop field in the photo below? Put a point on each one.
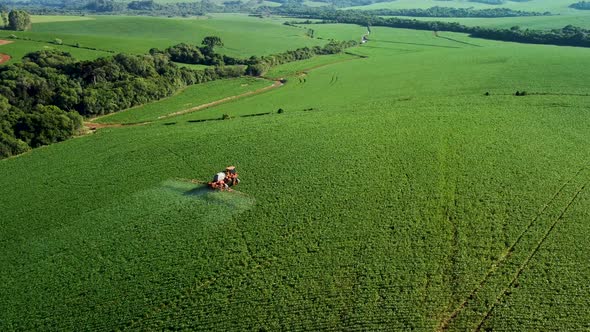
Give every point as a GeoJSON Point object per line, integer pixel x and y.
{"type": "Point", "coordinates": [391, 194]}
{"type": "Point", "coordinates": [58, 18]}
{"type": "Point", "coordinates": [20, 48]}
{"type": "Point", "coordinates": [242, 35]}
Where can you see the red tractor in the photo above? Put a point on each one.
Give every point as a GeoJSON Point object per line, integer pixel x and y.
{"type": "Point", "coordinates": [224, 180]}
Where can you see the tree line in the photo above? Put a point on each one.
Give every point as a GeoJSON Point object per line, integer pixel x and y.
{"type": "Point", "coordinates": [566, 36]}
{"type": "Point", "coordinates": [582, 5]}
{"type": "Point", "coordinates": [18, 20]}
{"type": "Point", "coordinates": [254, 66]}
{"type": "Point", "coordinates": [438, 11]}
{"type": "Point", "coordinates": [44, 98]}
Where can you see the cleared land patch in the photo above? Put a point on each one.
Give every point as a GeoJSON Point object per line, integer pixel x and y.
{"type": "Point", "coordinates": [4, 57]}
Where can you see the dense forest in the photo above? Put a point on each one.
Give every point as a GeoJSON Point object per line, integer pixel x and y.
{"type": "Point", "coordinates": [18, 20]}
{"type": "Point", "coordinates": [43, 99]}
{"type": "Point", "coordinates": [583, 5]}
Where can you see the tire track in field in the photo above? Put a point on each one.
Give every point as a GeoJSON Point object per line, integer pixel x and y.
{"type": "Point", "coordinates": [457, 41]}
{"type": "Point", "coordinates": [445, 324]}
{"type": "Point", "coordinates": [334, 79]}
{"type": "Point", "coordinates": [529, 257]}
{"type": "Point", "coordinates": [448, 206]}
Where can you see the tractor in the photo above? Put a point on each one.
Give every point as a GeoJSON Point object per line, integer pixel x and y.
{"type": "Point", "coordinates": [224, 180]}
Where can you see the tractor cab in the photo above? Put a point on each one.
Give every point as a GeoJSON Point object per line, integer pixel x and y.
{"type": "Point", "coordinates": [231, 170]}
{"type": "Point", "coordinates": [231, 176]}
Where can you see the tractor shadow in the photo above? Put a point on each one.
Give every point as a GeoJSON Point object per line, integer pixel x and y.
{"type": "Point", "coordinates": [199, 191]}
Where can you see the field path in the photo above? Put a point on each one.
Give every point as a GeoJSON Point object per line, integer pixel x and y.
{"type": "Point", "coordinates": [276, 84]}
{"type": "Point", "coordinates": [94, 125]}
{"type": "Point", "coordinates": [4, 57]}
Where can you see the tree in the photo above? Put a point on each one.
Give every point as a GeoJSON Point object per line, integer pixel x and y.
{"type": "Point", "coordinates": [4, 14]}
{"type": "Point", "coordinates": [19, 20]}
{"type": "Point", "coordinates": [46, 125]}
{"type": "Point", "coordinates": [212, 41]}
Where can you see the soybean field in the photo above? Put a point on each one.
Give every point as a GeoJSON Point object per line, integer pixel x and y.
{"type": "Point", "coordinates": [404, 186]}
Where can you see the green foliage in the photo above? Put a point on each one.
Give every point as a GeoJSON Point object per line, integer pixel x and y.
{"type": "Point", "coordinates": [212, 41]}
{"type": "Point", "coordinates": [10, 146]}
{"type": "Point", "coordinates": [192, 96]}
{"type": "Point", "coordinates": [46, 125]}
{"type": "Point", "coordinates": [439, 11]}
{"type": "Point", "coordinates": [3, 18]}
{"type": "Point", "coordinates": [106, 85]}
{"type": "Point", "coordinates": [583, 5]}
{"type": "Point", "coordinates": [19, 20]}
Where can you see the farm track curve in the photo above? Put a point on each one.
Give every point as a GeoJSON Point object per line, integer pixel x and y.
{"type": "Point", "coordinates": [94, 125]}
{"type": "Point", "coordinates": [276, 84]}
{"type": "Point", "coordinates": [446, 323]}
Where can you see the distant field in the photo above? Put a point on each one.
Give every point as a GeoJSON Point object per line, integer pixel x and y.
{"type": "Point", "coordinates": [554, 6]}
{"type": "Point", "coordinates": [190, 97]}
{"type": "Point", "coordinates": [314, 4]}
{"type": "Point", "coordinates": [535, 22]}
{"type": "Point", "coordinates": [293, 68]}
{"type": "Point", "coordinates": [565, 15]}
{"type": "Point", "coordinates": [409, 190]}
{"type": "Point", "coordinates": [52, 18]}
{"type": "Point", "coordinates": [139, 34]}
{"type": "Point", "coordinates": [20, 48]}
